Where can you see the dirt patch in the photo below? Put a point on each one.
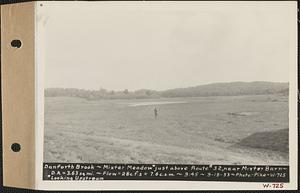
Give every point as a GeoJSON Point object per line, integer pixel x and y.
{"type": "Point", "coordinates": [244, 113]}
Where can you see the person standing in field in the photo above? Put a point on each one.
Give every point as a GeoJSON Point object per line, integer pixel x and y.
{"type": "Point", "coordinates": [155, 113]}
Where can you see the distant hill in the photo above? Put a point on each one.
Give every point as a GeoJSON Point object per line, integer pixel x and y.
{"type": "Point", "coordinates": [229, 89]}
{"type": "Point", "coordinates": [215, 89]}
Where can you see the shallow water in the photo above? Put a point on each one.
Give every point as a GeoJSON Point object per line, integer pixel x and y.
{"type": "Point", "coordinates": [154, 103]}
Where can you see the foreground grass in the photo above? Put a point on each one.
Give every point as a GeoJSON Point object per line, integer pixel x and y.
{"type": "Point", "coordinates": [271, 140]}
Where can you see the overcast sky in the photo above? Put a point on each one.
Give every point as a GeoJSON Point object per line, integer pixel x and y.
{"type": "Point", "coordinates": [164, 45]}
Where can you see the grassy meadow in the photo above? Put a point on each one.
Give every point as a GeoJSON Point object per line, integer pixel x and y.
{"type": "Point", "coordinates": [250, 129]}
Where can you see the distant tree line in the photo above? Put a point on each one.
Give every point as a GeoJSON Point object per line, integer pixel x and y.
{"type": "Point", "coordinates": [101, 93]}
{"type": "Point", "coordinates": [216, 89]}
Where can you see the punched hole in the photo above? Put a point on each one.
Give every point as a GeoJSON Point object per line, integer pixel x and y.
{"type": "Point", "coordinates": [16, 43]}
{"type": "Point", "coordinates": [15, 147]}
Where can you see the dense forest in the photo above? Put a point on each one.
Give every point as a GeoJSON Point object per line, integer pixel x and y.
{"type": "Point", "coordinates": [215, 89]}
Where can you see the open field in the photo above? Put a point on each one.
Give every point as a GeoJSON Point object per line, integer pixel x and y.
{"type": "Point", "coordinates": [199, 130]}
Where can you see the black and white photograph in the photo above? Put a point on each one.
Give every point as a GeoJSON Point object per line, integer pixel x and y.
{"type": "Point", "coordinates": [167, 83]}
